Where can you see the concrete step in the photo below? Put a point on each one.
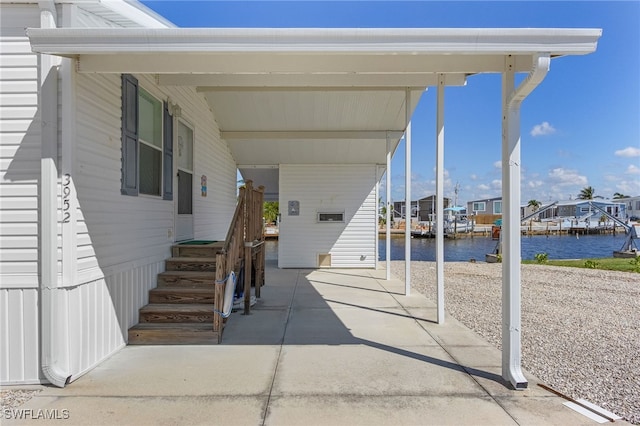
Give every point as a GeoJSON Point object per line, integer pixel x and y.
{"type": "Point", "coordinates": [186, 279]}
{"type": "Point", "coordinates": [191, 264]}
{"type": "Point", "coordinates": [172, 334]}
{"type": "Point", "coordinates": [182, 295]}
{"type": "Point", "coordinates": [177, 313]}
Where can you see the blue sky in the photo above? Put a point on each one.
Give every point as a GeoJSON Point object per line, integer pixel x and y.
{"type": "Point", "coordinates": [580, 127]}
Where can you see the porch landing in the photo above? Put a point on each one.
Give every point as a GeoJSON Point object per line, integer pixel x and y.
{"type": "Point", "coordinates": [327, 347]}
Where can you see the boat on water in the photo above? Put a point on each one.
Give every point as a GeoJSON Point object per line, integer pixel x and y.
{"type": "Point", "coordinates": [451, 226]}
{"type": "Point", "coordinates": [271, 231]}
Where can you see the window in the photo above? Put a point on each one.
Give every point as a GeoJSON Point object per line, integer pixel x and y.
{"type": "Point", "coordinates": [185, 169]}
{"type": "Point", "coordinates": [479, 206]}
{"type": "Point", "coordinates": [150, 137]}
{"type": "Point", "coordinates": [147, 143]}
{"type": "Point", "coordinates": [497, 207]}
{"type": "Point", "coordinates": [330, 217]}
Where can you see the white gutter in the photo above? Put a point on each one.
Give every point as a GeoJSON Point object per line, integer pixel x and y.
{"type": "Point", "coordinates": [412, 41]}
{"type": "Point", "coordinates": [54, 345]}
{"type": "Point", "coordinates": [511, 168]}
{"type": "Point", "coordinates": [541, 64]}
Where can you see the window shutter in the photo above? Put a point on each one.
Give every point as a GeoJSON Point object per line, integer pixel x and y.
{"type": "Point", "coordinates": [167, 167]}
{"type": "Point", "coordinates": [129, 185]}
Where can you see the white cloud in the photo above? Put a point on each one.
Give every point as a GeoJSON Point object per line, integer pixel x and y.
{"type": "Point", "coordinates": [473, 177]}
{"type": "Point", "coordinates": [497, 164]}
{"type": "Point", "coordinates": [629, 187]}
{"type": "Point", "coordinates": [542, 129]}
{"type": "Point", "coordinates": [496, 184]}
{"type": "Point", "coordinates": [535, 183]}
{"type": "Point", "coordinates": [633, 170]}
{"type": "Point", "coordinates": [629, 151]}
{"type": "Point", "coordinates": [567, 177]}
{"type": "Point", "coordinates": [483, 187]}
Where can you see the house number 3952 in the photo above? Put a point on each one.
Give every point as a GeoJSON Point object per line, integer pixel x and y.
{"type": "Point", "coordinates": [66, 195]}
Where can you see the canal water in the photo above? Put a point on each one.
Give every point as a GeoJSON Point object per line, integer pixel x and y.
{"type": "Point", "coordinates": [463, 249]}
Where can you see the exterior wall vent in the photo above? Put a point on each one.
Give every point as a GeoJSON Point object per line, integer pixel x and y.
{"type": "Point", "coordinates": [324, 217]}
{"type": "Point", "coordinates": [324, 260]}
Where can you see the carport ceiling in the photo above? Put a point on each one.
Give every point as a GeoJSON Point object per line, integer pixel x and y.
{"type": "Point", "coordinates": [308, 95]}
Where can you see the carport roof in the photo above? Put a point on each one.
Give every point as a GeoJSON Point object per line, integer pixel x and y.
{"type": "Point", "coordinates": [308, 95]}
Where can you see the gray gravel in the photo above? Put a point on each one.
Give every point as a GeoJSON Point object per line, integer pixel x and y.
{"type": "Point", "coordinates": [580, 327]}
{"type": "Point", "coordinates": [14, 397]}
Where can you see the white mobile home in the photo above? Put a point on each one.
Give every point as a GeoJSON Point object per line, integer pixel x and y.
{"type": "Point", "coordinates": [121, 136]}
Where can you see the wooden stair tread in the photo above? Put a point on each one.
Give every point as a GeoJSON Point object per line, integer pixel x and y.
{"type": "Point", "coordinates": [204, 274]}
{"type": "Point", "coordinates": [175, 307]}
{"type": "Point", "coordinates": [191, 264]}
{"type": "Point", "coordinates": [183, 290]}
{"type": "Point", "coordinates": [192, 259]}
{"type": "Point", "coordinates": [212, 244]}
{"type": "Point", "coordinates": [177, 313]}
{"type": "Point", "coordinates": [189, 295]}
{"type": "Point", "coordinates": [172, 334]}
{"type": "Point", "coordinates": [172, 326]}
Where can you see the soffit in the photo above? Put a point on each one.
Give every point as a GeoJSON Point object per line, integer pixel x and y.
{"type": "Point", "coordinates": [309, 95]}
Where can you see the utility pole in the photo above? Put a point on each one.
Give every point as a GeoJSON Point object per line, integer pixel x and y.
{"type": "Point", "coordinates": [455, 190]}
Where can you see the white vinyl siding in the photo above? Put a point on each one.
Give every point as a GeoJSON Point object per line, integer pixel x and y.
{"type": "Point", "coordinates": [19, 149]}
{"type": "Point", "coordinates": [19, 173]}
{"type": "Point", "coordinates": [114, 230]}
{"type": "Point", "coordinates": [328, 188]}
{"type": "Point", "coordinates": [19, 342]}
{"type": "Point", "coordinates": [118, 244]}
{"type": "Point", "coordinates": [108, 258]}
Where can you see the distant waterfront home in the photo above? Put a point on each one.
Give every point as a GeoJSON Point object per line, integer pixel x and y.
{"type": "Point", "coordinates": [581, 209]}
{"type": "Point", "coordinates": [485, 210]}
{"type": "Point", "coordinates": [632, 205]}
{"type": "Point", "coordinates": [488, 210]}
{"type": "Point", "coordinates": [420, 209]}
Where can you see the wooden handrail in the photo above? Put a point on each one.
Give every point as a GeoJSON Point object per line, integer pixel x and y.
{"type": "Point", "coordinates": [242, 247]}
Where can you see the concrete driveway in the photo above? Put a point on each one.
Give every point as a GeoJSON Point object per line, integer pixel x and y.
{"type": "Point", "coordinates": [321, 347]}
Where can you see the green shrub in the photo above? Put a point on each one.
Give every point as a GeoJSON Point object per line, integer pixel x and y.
{"type": "Point", "coordinates": [635, 263]}
{"type": "Point", "coordinates": [591, 264]}
{"type": "Point", "coordinates": [541, 257]}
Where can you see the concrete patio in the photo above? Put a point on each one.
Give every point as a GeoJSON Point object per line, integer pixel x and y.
{"type": "Point", "coordinates": [332, 347]}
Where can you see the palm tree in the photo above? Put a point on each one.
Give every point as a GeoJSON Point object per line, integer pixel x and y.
{"type": "Point", "coordinates": [587, 193]}
{"type": "Point", "coordinates": [618, 196]}
{"type": "Point", "coordinates": [534, 204]}
{"type": "Point", "coordinates": [382, 212]}
{"type": "Point", "coordinates": [270, 210]}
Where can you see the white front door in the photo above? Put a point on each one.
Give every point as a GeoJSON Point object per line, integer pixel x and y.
{"type": "Point", "coordinates": [184, 206]}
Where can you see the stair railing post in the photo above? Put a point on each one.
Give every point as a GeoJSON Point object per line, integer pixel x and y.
{"type": "Point", "coordinates": [219, 293]}
{"type": "Point", "coordinates": [248, 243]}
{"type": "Point", "coordinates": [260, 255]}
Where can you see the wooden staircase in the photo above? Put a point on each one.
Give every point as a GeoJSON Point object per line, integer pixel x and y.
{"type": "Point", "coordinates": [184, 308]}
{"type": "Point", "coordinates": [181, 308]}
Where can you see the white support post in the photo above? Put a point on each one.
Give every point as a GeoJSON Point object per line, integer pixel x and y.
{"type": "Point", "coordinates": [407, 196]}
{"type": "Point", "coordinates": [377, 220]}
{"type": "Point", "coordinates": [440, 199]}
{"type": "Point", "coordinates": [511, 315]}
{"type": "Point", "coordinates": [389, 207]}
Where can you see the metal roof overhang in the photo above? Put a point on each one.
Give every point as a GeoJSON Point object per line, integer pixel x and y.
{"type": "Point", "coordinates": [307, 95]}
